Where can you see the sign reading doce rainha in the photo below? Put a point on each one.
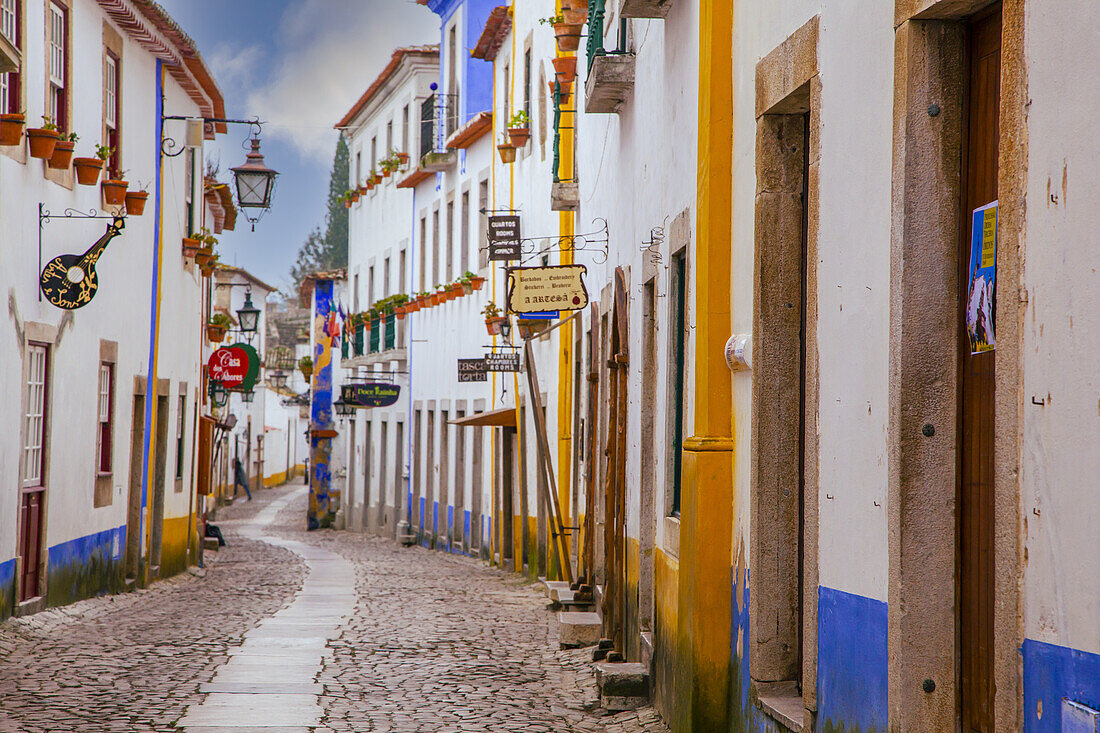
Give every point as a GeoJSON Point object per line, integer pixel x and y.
{"type": "Point", "coordinates": [370, 394]}
{"type": "Point", "coordinates": [552, 288]}
{"type": "Point", "coordinates": [504, 238]}
{"type": "Point", "coordinates": [472, 370]}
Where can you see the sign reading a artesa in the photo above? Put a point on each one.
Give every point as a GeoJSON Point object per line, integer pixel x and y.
{"type": "Point", "coordinates": [472, 370]}
{"type": "Point", "coordinates": [370, 394]}
{"type": "Point", "coordinates": [507, 362]}
{"type": "Point", "coordinates": [504, 238]}
{"type": "Point", "coordinates": [553, 288]}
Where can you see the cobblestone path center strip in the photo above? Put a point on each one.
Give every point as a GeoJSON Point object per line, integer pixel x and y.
{"type": "Point", "coordinates": [269, 683]}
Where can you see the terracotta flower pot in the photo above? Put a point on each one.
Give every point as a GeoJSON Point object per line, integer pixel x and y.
{"type": "Point", "coordinates": [215, 333]}
{"type": "Point", "coordinates": [135, 202]}
{"type": "Point", "coordinates": [386, 173]}
{"type": "Point", "coordinates": [11, 129]}
{"type": "Point", "coordinates": [399, 311]}
{"type": "Point", "coordinates": [477, 283]}
{"type": "Point", "coordinates": [412, 306]}
{"type": "Point", "coordinates": [114, 192]}
{"type": "Point", "coordinates": [87, 170]}
{"type": "Point", "coordinates": [493, 323]}
{"type": "Point", "coordinates": [519, 136]}
{"type": "Point", "coordinates": [207, 270]}
{"type": "Point", "coordinates": [347, 204]}
{"type": "Point", "coordinates": [202, 257]}
{"type": "Point", "coordinates": [355, 197]}
{"type": "Point", "coordinates": [377, 178]}
{"type": "Point", "coordinates": [568, 36]}
{"type": "Point", "coordinates": [576, 14]}
{"type": "Point", "coordinates": [191, 247]}
{"type": "Point", "coordinates": [62, 155]}
{"type": "Point", "coordinates": [42, 142]}
{"type": "Point", "coordinates": [507, 153]}
{"type": "Point", "coordinates": [307, 372]}
{"type": "Point", "coordinates": [435, 298]}
{"type": "Point", "coordinates": [403, 158]}
{"type": "Point", "coordinates": [566, 67]}
{"type": "Point", "coordinates": [564, 92]}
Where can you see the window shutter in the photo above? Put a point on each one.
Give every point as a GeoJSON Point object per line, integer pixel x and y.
{"type": "Point", "coordinates": [110, 92]}
{"type": "Point", "coordinates": [57, 46]}
{"type": "Point", "coordinates": [7, 21]}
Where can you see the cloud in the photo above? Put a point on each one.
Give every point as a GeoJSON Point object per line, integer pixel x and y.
{"type": "Point", "coordinates": [328, 52]}
{"type": "Point", "coordinates": [236, 67]}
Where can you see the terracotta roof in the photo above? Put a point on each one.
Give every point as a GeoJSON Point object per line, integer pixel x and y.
{"type": "Point", "coordinates": [182, 57]}
{"type": "Point", "coordinates": [391, 68]}
{"type": "Point", "coordinates": [474, 130]}
{"type": "Point", "coordinates": [220, 200]}
{"type": "Point", "coordinates": [231, 270]}
{"type": "Point", "coordinates": [497, 28]}
{"type": "Point", "coordinates": [415, 176]}
{"type": "Point", "coordinates": [305, 290]}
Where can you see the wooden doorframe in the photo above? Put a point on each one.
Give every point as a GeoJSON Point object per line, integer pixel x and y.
{"type": "Point", "coordinates": [930, 64]}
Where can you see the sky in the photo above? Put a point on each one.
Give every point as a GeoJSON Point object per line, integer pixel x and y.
{"type": "Point", "coordinates": [298, 65]}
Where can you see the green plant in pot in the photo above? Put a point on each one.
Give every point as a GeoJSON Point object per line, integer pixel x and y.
{"type": "Point", "coordinates": [494, 319]}
{"type": "Point", "coordinates": [305, 366]}
{"type": "Point", "coordinates": [135, 200]}
{"type": "Point", "coordinates": [114, 189]}
{"type": "Point", "coordinates": [88, 169]}
{"type": "Point", "coordinates": [519, 129]}
{"type": "Point", "coordinates": [63, 152]}
{"type": "Point", "coordinates": [217, 327]}
{"type": "Point", "coordinates": [43, 140]}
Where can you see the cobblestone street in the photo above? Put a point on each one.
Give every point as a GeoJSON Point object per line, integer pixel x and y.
{"type": "Point", "coordinates": [436, 643]}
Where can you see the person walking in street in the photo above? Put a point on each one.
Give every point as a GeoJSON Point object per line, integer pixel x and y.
{"type": "Point", "coordinates": [240, 478]}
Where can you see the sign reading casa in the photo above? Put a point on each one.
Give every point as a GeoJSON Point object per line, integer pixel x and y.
{"type": "Point", "coordinates": [371, 394]}
{"type": "Point", "coordinates": [235, 367]}
{"type": "Point", "coordinates": [552, 288]}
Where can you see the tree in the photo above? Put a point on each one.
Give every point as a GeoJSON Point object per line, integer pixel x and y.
{"type": "Point", "coordinates": [328, 250]}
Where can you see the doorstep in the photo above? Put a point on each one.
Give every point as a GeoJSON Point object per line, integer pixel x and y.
{"type": "Point", "coordinates": [623, 685]}
{"type": "Point", "coordinates": [579, 629]}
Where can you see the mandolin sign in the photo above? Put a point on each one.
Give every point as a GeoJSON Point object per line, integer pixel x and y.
{"type": "Point", "coordinates": [70, 281]}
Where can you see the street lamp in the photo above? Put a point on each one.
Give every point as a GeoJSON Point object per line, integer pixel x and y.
{"type": "Point", "coordinates": [278, 379]}
{"type": "Point", "coordinates": [255, 183]}
{"type": "Point", "coordinates": [247, 396]}
{"type": "Point", "coordinates": [506, 330]}
{"type": "Point", "coordinates": [344, 409]}
{"type": "Point", "coordinates": [248, 315]}
{"type": "Point", "coordinates": [219, 395]}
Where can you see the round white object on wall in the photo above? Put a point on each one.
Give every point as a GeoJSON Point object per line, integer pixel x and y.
{"type": "Point", "coordinates": [739, 352]}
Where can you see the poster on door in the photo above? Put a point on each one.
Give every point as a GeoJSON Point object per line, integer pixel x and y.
{"type": "Point", "coordinates": [982, 280]}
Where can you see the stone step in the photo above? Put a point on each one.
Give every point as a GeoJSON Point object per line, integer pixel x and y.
{"type": "Point", "coordinates": [553, 586]}
{"type": "Point", "coordinates": [579, 629]}
{"type": "Point", "coordinates": [568, 599]}
{"type": "Point", "coordinates": [623, 685]}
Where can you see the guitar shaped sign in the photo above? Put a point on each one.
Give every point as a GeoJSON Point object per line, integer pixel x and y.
{"type": "Point", "coordinates": [69, 281]}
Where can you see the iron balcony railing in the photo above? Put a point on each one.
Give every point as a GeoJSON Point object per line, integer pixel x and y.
{"type": "Point", "coordinates": [438, 119]}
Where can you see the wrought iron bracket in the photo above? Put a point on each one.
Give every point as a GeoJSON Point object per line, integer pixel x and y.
{"type": "Point", "coordinates": [45, 217]}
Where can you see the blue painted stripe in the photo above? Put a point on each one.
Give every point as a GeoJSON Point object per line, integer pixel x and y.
{"type": "Point", "coordinates": [108, 544]}
{"type": "Point", "coordinates": [1053, 673]}
{"type": "Point", "coordinates": [851, 661]}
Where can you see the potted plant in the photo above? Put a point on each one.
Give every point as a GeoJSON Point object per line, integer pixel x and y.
{"type": "Point", "coordinates": [217, 326]}
{"type": "Point", "coordinates": [135, 201]}
{"type": "Point", "coordinates": [376, 177]}
{"type": "Point", "coordinates": [11, 128]}
{"type": "Point", "coordinates": [566, 68]}
{"type": "Point", "coordinates": [438, 296]}
{"type": "Point", "coordinates": [519, 129]}
{"type": "Point", "coordinates": [389, 165]}
{"type": "Point", "coordinates": [425, 299]}
{"type": "Point", "coordinates": [493, 318]}
{"type": "Point", "coordinates": [43, 140]}
{"type": "Point", "coordinates": [88, 169]}
{"type": "Point", "coordinates": [568, 34]}
{"type": "Point", "coordinates": [203, 245]}
{"type": "Point", "coordinates": [400, 311]}
{"type": "Point", "coordinates": [529, 328]}
{"type": "Point", "coordinates": [565, 90]}
{"type": "Point", "coordinates": [402, 158]}
{"type": "Point", "coordinates": [354, 195]}
{"type": "Point", "coordinates": [114, 190]}
{"type": "Point", "coordinates": [507, 152]}
{"type": "Point", "coordinates": [574, 12]}
{"type": "Point", "coordinates": [347, 199]}
{"type": "Point", "coordinates": [63, 152]}
{"type": "Point", "coordinates": [191, 247]}
{"type": "Point", "coordinates": [207, 268]}
{"type": "Point", "coordinates": [305, 366]}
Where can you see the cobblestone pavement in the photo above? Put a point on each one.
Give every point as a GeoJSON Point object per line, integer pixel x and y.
{"type": "Point", "coordinates": [437, 644]}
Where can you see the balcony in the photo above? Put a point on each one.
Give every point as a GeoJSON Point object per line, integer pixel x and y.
{"type": "Point", "coordinates": [383, 342]}
{"type": "Point", "coordinates": [610, 81]}
{"type": "Point", "coordinates": [645, 9]}
{"type": "Point", "coordinates": [438, 121]}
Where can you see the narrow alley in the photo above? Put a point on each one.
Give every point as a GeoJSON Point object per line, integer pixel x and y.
{"type": "Point", "coordinates": [433, 643]}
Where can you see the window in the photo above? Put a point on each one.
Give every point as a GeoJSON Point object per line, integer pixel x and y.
{"type": "Point", "coordinates": [450, 240]}
{"type": "Point", "coordinates": [370, 285]}
{"type": "Point", "coordinates": [679, 328]}
{"type": "Point", "coordinates": [34, 419]}
{"type": "Point", "coordinates": [464, 233]}
{"type": "Point", "coordinates": [358, 168]}
{"type": "Point", "coordinates": [181, 420]}
{"type": "Point", "coordinates": [423, 253]}
{"type": "Point", "coordinates": [57, 33]}
{"type": "Point", "coordinates": [389, 138]}
{"type": "Point", "coordinates": [527, 83]}
{"type": "Point", "coordinates": [405, 129]}
{"type": "Point", "coordinates": [373, 154]}
{"type": "Point", "coordinates": [483, 224]}
{"type": "Point", "coordinates": [355, 294]}
{"type": "Point", "coordinates": [401, 271]}
{"type": "Point", "coordinates": [105, 417]}
{"type": "Point", "coordinates": [10, 27]}
{"type": "Point", "coordinates": [112, 78]}
{"type": "Point", "coordinates": [435, 247]}
{"type": "Point", "coordinates": [507, 100]}
{"type": "Point", "coordinates": [386, 278]}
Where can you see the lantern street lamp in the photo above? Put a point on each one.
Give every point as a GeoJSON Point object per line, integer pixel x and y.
{"type": "Point", "coordinates": [248, 315]}
{"type": "Point", "coordinates": [255, 183]}
{"type": "Point", "coordinates": [506, 330]}
{"type": "Point", "coordinates": [278, 379]}
{"type": "Point", "coordinates": [247, 396]}
{"type": "Point", "coordinates": [344, 409]}
{"type": "Point", "coordinates": [219, 395]}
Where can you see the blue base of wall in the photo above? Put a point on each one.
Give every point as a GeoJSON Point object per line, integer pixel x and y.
{"type": "Point", "coordinates": [851, 663]}
{"type": "Point", "coordinates": [1053, 673]}
{"type": "Point", "coordinates": [85, 567]}
{"type": "Point", "coordinates": [7, 588]}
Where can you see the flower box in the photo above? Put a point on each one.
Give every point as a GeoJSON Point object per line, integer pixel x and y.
{"type": "Point", "coordinates": [62, 155]}
{"type": "Point", "coordinates": [519, 136]}
{"type": "Point", "coordinates": [215, 333]}
{"type": "Point", "coordinates": [507, 153]}
{"type": "Point", "coordinates": [42, 142]}
{"type": "Point", "coordinates": [87, 170]}
{"type": "Point", "coordinates": [11, 129]}
{"type": "Point", "coordinates": [114, 192]}
{"type": "Point", "coordinates": [135, 202]}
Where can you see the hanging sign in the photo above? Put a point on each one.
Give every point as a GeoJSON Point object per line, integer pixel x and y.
{"type": "Point", "coordinates": [503, 362]}
{"type": "Point", "coordinates": [70, 281]}
{"type": "Point", "coordinates": [235, 367]}
{"type": "Point", "coordinates": [371, 394]}
{"type": "Point", "coordinates": [551, 288]}
{"type": "Point", "coordinates": [504, 238]}
{"type": "Point", "coordinates": [472, 370]}
{"type": "Point", "coordinates": [982, 280]}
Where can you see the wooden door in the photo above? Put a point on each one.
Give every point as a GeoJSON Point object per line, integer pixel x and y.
{"type": "Point", "coordinates": [614, 601]}
{"type": "Point", "coordinates": [976, 385]}
{"type": "Point", "coordinates": [30, 539]}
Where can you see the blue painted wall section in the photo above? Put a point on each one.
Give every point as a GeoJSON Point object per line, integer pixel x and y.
{"type": "Point", "coordinates": [322, 501]}
{"type": "Point", "coordinates": [851, 663]}
{"type": "Point", "coordinates": [1052, 673]}
{"type": "Point", "coordinates": [85, 567]}
{"type": "Point", "coordinates": [475, 76]}
{"type": "Point", "coordinates": [7, 588]}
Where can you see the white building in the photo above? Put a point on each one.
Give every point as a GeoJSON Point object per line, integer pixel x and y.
{"type": "Point", "coordinates": [97, 450]}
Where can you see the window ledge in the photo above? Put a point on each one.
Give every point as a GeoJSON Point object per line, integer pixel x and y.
{"type": "Point", "coordinates": [9, 56]}
{"type": "Point", "coordinates": [610, 83]}
{"type": "Point", "coordinates": [670, 542]}
{"type": "Point", "coordinates": [781, 702]}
